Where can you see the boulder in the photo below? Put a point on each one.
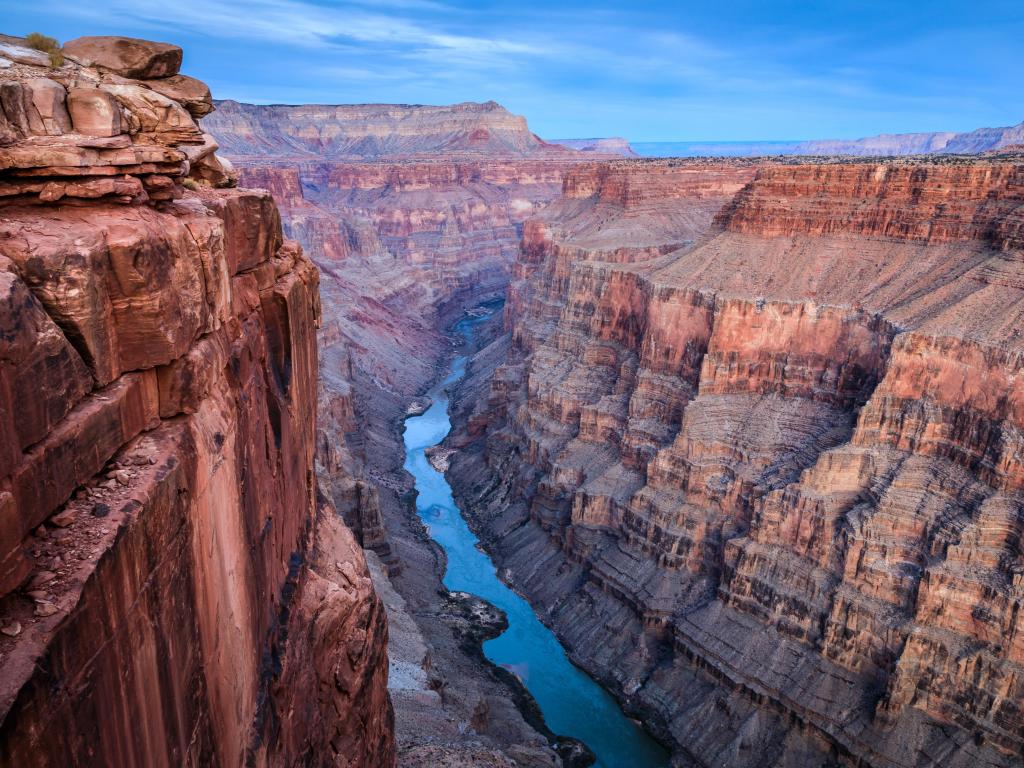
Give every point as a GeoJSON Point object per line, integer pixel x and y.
{"type": "Point", "coordinates": [94, 112]}
{"type": "Point", "coordinates": [126, 56]}
{"type": "Point", "coordinates": [193, 95]}
{"type": "Point", "coordinates": [214, 171]}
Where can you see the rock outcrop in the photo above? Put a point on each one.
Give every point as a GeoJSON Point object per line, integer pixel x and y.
{"type": "Point", "coordinates": [173, 588]}
{"type": "Point", "coordinates": [767, 486]}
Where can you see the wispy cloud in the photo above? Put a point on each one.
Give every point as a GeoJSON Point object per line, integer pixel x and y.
{"type": "Point", "coordinates": [728, 70]}
{"type": "Point", "coordinates": [303, 24]}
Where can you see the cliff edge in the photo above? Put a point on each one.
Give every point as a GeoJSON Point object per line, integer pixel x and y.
{"type": "Point", "coordinates": [173, 588]}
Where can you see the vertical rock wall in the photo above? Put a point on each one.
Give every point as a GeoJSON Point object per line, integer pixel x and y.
{"type": "Point", "coordinates": [173, 590]}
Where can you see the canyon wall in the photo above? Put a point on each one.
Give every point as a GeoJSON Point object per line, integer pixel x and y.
{"type": "Point", "coordinates": [173, 588]}
{"type": "Point", "coordinates": [767, 486]}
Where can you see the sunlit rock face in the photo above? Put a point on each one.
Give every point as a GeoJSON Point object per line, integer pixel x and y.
{"type": "Point", "coordinates": [173, 589]}
{"type": "Point", "coordinates": [764, 474]}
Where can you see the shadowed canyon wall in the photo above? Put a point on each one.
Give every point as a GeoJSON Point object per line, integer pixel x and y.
{"type": "Point", "coordinates": [767, 485]}
{"type": "Point", "coordinates": [173, 588]}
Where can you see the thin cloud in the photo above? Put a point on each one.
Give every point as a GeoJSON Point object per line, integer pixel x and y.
{"type": "Point", "coordinates": [646, 71]}
{"type": "Point", "coordinates": [301, 24]}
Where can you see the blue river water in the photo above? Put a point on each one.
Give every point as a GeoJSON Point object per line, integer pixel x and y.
{"type": "Point", "coordinates": [572, 703]}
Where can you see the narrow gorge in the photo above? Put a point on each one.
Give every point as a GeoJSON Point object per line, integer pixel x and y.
{"type": "Point", "coordinates": [376, 435]}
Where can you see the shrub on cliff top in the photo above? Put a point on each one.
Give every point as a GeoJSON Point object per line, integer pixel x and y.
{"type": "Point", "coordinates": [46, 44]}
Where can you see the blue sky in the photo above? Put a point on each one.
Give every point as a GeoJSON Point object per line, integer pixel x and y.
{"type": "Point", "coordinates": [714, 70]}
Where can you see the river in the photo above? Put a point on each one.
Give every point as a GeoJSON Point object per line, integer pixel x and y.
{"type": "Point", "coordinates": [572, 703]}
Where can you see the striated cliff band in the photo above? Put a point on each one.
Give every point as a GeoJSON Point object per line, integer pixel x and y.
{"type": "Point", "coordinates": [174, 590]}
{"type": "Point", "coordinates": [766, 485]}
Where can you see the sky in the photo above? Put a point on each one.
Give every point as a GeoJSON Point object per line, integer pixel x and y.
{"type": "Point", "coordinates": [721, 70]}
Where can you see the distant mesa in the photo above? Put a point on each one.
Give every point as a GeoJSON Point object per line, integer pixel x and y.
{"type": "Point", "coordinates": [369, 132]}
{"type": "Point", "coordinates": [943, 142]}
{"type": "Point", "coordinates": [883, 145]}
{"type": "Point", "coordinates": [614, 145]}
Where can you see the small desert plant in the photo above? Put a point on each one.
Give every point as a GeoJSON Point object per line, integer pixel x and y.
{"type": "Point", "coordinates": [47, 45]}
{"type": "Point", "coordinates": [192, 184]}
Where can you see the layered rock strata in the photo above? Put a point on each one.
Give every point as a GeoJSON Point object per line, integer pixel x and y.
{"type": "Point", "coordinates": [173, 589]}
{"type": "Point", "coordinates": [376, 131]}
{"type": "Point", "coordinates": [767, 486]}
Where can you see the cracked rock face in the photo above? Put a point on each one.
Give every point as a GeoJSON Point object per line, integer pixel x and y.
{"type": "Point", "coordinates": [768, 485]}
{"type": "Point", "coordinates": [172, 587]}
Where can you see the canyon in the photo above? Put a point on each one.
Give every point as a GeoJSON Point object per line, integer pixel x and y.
{"type": "Point", "coordinates": [412, 215]}
{"type": "Point", "coordinates": [745, 433]}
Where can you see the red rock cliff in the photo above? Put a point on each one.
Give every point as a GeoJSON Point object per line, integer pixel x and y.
{"type": "Point", "coordinates": [172, 588]}
{"type": "Point", "coordinates": [779, 468]}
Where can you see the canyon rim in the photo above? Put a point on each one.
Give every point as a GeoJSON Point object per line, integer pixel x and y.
{"type": "Point", "coordinates": [384, 434]}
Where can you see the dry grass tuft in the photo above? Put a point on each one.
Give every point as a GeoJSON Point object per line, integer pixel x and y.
{"type": "Point", "coordinates": [48, 45]}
